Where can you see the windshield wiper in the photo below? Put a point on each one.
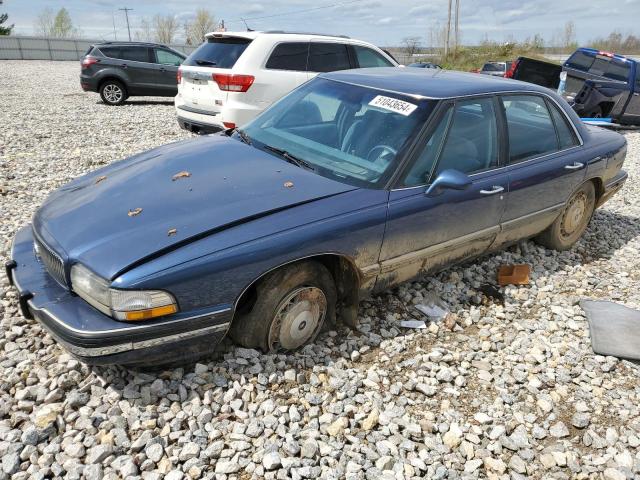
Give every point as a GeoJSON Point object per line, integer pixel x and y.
{"type": "Point", "coordinates": [243, 136]}
{"type": "Point", "coordinates": [205, 62]}
{"type": "Point", "coordinates": [290, 158]}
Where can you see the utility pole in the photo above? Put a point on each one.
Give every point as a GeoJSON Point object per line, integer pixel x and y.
{"type": "Point", "coordinates": [457, 34]}
{"type": "Point", "coordinates": [127, 10]}
{"type": "Point", "coordinates": [448, 32]}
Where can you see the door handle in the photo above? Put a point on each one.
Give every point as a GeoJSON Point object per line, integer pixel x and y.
{"type": "Point", "coordinates": [124, 65]}
{"type": "Point", "coordinates": [574, 166]}
{"type": "Point", "coordinates": [495, 189]}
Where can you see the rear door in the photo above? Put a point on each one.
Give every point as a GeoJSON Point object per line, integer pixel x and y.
{"type": "Point", "coordinates": [285, 68]}
{"type": "Point", "coordinates": [142, 71]}
{"type": "Point", "coordinates": [200, 92]}
{"type": "Point", "coordinates": [167, 63]}
{"type": "Point", "coordinates": [545, 164]}
{"type": "Point", "coordinates": [328, 57]}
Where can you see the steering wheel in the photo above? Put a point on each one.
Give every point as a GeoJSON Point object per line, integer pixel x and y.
{"type": "Point", "coordinates": [385, 150]}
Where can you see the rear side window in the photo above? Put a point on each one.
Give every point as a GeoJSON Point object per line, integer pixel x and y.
{"type": "Point", "coordinates": [328, 57]}
{"type": "Point", "coordinates": [289, 56]}
{"type": "Point", "coordinates": [566, 136]}
{"type": "Point", "coordinates": [531, 130]}
{"type": "Point", "coordinates": [370, 58]}
{"type": "Point", "coordinates": [580, 61]}
{"type": "Point", "coordinates": [111, 52]}
{"type": "Point", "coordinates": [134, 54]}
{"type": "Point", "coordinates": [218, 52]}
{"type": "Point", "coordinates": [493, 67]}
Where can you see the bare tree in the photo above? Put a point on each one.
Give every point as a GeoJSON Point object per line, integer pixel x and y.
{"type": "Point", "coordinates": [44, 22]}
{"type": "Point", "coordinates": [144, 33]}
{"type": "Point", "coordinates": [57, 25]}
{"type": "Point", "coordinates": [203, 23]}
{"type": "Point", "coordinates": [569, 35]}
{"type": "Point", "coordinates": [411, 45]}
{"type": "Point", "coordinates": [165, 28]}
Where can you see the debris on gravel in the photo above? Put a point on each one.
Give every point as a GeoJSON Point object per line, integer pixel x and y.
{"type": "Point", "coordinates": [510, 391]}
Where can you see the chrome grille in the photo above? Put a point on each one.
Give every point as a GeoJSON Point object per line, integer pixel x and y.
{"type": "Point", "coordinates": [51, 261]}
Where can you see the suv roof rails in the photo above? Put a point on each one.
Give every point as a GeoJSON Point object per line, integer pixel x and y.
{"type": "Point", "coordinates": [124, 42]}
{"type": "Point", "coordinates": [305, 33]}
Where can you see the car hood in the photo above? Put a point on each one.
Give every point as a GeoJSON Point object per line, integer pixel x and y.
{"type": "Point", "coordinates": [159, 200]}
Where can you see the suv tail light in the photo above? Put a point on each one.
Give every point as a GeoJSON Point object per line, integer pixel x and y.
{"type": "Point", "coordinates": [88, 61]}
{"type": "Point", "coordinates": [512, 70]}
{"type": "Point", "coordinates": [233, 83]}
{"type": "Point", "coordinates": [179, 76]}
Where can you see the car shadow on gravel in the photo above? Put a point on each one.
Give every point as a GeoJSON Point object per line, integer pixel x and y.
{"type": "Point", "coordinates": [141, 103]}
{"type": "Point", "coordinates": [608, 232]}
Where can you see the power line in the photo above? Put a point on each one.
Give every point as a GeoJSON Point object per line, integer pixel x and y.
{"type": "Point", "coordinates": [126, 13]}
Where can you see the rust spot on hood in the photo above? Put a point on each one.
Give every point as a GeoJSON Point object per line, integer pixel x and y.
{"type": "Point", "coordinates": [183, 174]}
{"type": "Point", "coordinates": [134, 212]}
{"type": "Point", "coordinates": [100, 179]}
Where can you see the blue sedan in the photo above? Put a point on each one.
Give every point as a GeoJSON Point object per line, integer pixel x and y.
{"type": "Point", "coordinates": [352, 183]}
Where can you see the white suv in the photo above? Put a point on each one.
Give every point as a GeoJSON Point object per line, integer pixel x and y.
{"type": "Point", "coordinates": [234, 76]}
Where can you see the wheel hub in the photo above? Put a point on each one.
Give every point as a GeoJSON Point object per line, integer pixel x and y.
{"type": "Point", "coordinates": [574, 214]}
{"type": "Point", "coordinates": [112, 93]}
{"type": "Point", "coordinates": [298, 318]}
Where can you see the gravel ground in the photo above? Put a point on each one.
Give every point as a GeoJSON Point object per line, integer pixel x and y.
{"type": "Point", "coordinates": [509, 391]}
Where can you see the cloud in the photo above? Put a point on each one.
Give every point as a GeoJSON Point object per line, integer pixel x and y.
{"type": "Point", "coordinates": [253, 9]}
{"type": "Point", "coordinates": [420, 9]}
{"type": "Point", "coordinates": [384, 21]}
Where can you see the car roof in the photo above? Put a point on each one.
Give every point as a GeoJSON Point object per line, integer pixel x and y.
{"type": "Point", "coordinates": [135, 44]}
{"type": "Point", "coordinates": [430, 83]}
{"type": "Point", "coordinates": [594, 52]}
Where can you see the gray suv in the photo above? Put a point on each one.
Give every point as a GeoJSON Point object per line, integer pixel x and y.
{"type": "Point", "coordinates": [118, 70]}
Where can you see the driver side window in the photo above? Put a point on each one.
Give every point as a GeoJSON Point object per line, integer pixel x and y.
{"type": "Point", "coordinates": [466, 139]}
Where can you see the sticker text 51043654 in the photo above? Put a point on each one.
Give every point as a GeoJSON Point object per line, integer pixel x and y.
{"type": "Point", "coordinates": [393, 104]}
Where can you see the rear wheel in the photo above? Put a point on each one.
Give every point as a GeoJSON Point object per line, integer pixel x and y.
{"type": "Point", "coordinates": [573, 221]}
{"type": "Point", "coordinates": [113, 92]}
{"type": "Point", "coordinates": [289, 308]}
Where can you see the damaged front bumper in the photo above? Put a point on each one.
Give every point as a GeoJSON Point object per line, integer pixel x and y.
{"type": "Point", "coordinates": [98, 339]}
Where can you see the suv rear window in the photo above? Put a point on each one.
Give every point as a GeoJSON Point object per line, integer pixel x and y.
{"type": "Point", "coordinates": [218, 52]}
{"type": "Point", "coordinates": [289, 56]}
{"type": "Point", "coordinates": [493, 67]}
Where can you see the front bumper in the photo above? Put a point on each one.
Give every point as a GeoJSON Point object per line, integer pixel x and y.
{"type": "Point", "coordinates": [98, 339]}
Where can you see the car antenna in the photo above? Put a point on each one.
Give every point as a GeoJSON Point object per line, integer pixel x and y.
{"type": "Point", "coordinates": [246, 25]}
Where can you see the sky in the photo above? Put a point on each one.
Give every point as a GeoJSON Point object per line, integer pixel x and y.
{"type": "Point", "coordinates": [383, 22]}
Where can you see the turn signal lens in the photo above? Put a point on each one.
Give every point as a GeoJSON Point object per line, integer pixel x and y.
{"type": "Point", "coordinates": [150, 313]}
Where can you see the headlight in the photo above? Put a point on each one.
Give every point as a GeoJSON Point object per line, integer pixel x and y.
{"type": "Point", "coordinates": [120, 304]}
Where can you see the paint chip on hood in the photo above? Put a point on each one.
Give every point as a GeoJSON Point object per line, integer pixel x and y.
{"type": "Point", "coordinates": [288, 184]}
{"type": "Point", "coordinates": [134, 212]}
{"type": "Point", "coordinates": [183, 174]}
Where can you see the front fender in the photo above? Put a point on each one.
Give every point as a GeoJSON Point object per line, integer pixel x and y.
{"type": "Point", "coordinates": [217, 269]}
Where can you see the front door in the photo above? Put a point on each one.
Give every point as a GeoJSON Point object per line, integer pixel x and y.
{"type": "Point", "coordinates": [166, 65]}
{"type": "Point", "coordinates": [426, 232]}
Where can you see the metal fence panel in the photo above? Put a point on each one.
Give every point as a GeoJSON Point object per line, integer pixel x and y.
{"type": "Point", "coordinates": [40, 48]}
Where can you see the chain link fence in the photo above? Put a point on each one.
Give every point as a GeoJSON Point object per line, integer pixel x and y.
{"type": "Point", "coordinates": [42, 48]}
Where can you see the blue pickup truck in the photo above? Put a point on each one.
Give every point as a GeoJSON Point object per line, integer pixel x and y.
{"type": "Point", "coordinates": [603, 84]}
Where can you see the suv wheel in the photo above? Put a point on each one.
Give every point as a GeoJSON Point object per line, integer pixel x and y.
{"type": "Point", "coordinates": [113, 92]}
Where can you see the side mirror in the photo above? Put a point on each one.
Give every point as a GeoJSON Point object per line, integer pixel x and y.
{"type": "Point", "coordinates": [448, 180]}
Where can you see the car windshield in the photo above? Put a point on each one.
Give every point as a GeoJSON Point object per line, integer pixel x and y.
{"type": "Point", "coordinates": [346, 132]}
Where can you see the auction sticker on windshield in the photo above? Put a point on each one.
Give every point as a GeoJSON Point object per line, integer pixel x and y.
{"type": "Point", "coordinates": [393, 104]}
